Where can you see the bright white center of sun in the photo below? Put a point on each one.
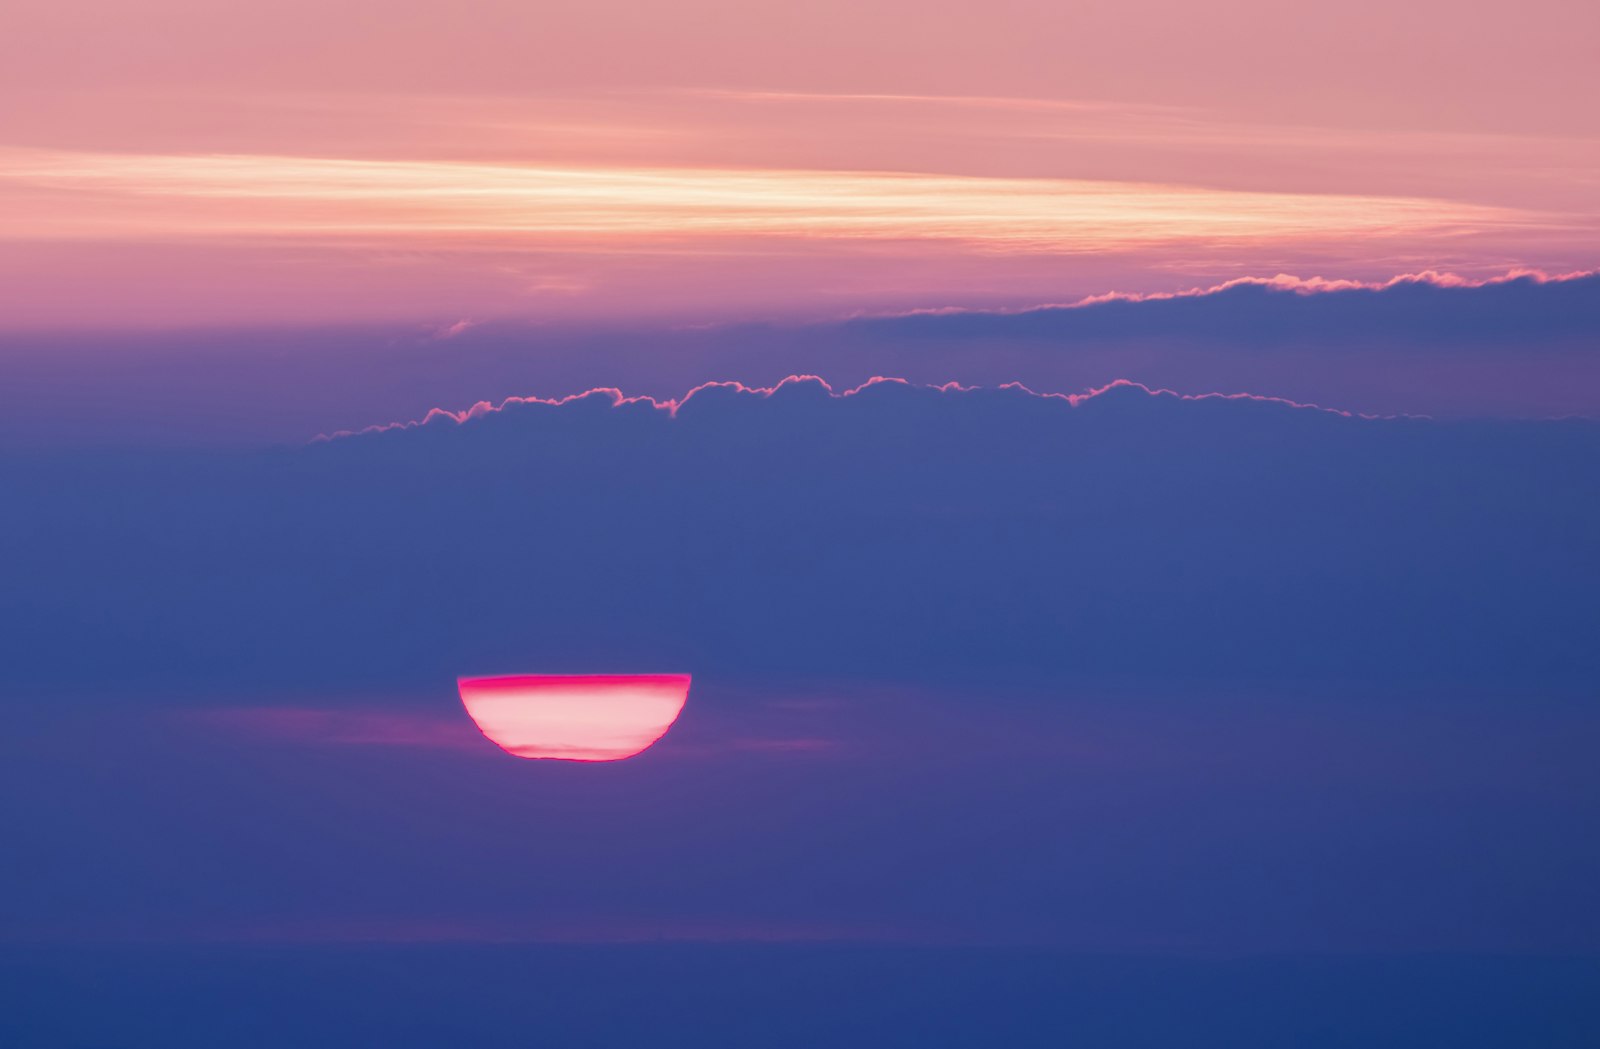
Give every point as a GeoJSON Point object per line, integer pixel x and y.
{"type": "Point", "coordinates": [575, 717]}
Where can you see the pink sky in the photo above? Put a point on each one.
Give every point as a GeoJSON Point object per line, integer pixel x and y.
{"type": "Point", "coordinates": [175, 162]}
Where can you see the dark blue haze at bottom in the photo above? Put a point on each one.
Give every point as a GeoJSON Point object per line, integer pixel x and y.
{"type": "Point", "coordinates": [781, 995]}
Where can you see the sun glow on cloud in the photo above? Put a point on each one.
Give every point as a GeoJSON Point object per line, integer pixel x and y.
{"type": "Point", "coordinates": [176, 197]}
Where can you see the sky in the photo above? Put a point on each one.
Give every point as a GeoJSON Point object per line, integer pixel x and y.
{"type": "Point", "coordinates": [751, 523]}
{"type": "Point", "coordinates": [170, 163]}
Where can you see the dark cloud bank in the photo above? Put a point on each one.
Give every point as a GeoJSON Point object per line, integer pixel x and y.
{"type": "Point", "coordinates": [900, 532]}
{"type": "Point", "coordinates": [1518, 347]}
{"type": "Point", "coordinates": [1524, 309]}
{"type": "Point", "coordinates": [1158, 679]}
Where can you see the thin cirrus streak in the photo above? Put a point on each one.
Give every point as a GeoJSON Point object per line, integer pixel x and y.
{"type": "Point", "coordinates": [87, 196]}
{"type": "Point", "coordinates": [498, 929]}
{"type": "Point", "coordinates": [819, 131]}
{"type": "Point", "coordinates": [346, 727]}
{"type": "Point", "coordinates": [414, 730]}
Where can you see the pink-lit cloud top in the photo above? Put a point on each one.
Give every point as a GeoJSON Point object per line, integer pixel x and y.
{"type": "Point", "coordinates": [575, 717]}
{"type": "Point", "coordinates": [671, 407]}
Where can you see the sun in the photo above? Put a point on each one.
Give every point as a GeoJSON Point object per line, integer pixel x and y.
{"type": "Point", "coordinates": [574, 717]}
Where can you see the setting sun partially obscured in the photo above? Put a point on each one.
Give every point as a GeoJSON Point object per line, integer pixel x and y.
{"type": "Point", "coordinates": [575, 717]}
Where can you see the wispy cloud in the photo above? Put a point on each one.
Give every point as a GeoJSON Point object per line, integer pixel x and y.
{"type": "Point", "coordinates": [104, 195]}
{"type": "Point", "coordinates": [343, 727]}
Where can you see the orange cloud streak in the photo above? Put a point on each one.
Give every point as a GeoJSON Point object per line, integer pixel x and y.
{"type": "Point", "coordinates": [90, 196]}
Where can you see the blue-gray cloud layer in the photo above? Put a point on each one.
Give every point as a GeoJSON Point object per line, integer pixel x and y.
{"type": "Point", "coordinates": [899, 532]}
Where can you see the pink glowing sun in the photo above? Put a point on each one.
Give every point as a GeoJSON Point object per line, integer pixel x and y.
{"type": "Point", "coordinates": [575, 717]}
